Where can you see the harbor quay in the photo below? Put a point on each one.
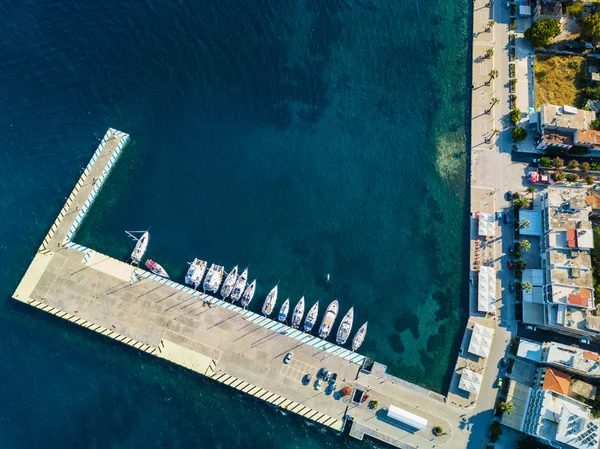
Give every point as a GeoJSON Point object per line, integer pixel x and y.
{"type": "Point", "coordinates": [217, 339]}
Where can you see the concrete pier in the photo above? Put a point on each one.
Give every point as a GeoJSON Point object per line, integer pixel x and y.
{"type": "Point", "coordinates": [216, 339]}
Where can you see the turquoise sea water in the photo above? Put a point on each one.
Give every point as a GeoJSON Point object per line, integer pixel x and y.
{"type": "Point", "coordinates": [298, 137]}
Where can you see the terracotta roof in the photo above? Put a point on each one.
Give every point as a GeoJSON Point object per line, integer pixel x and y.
{"type": "Point", "coordinates": [590, 136]}
{"type": "Point", "coordinates": [594, 200]}
{"type": "Point", "coordinates": [581, 299]}
{"type": "Point", "coordinates": [556, 380]}
{"type": "Point", "coordinates": [572, 238]}
{"type": "Point", "coordinates": [591, 355]}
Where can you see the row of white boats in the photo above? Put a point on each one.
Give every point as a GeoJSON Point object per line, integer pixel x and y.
{"type": "Point", "coordinates": [235, 287]}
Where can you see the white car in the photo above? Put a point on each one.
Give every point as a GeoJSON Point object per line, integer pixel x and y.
{"type": "Point", "coordinates": [585, 341]}
{"type": "Point", "coordinates": [531, 328]}
{"type": "Point", "coordinates": [288, 357]}
{"type": "Point", "coordinates": [318, 384]}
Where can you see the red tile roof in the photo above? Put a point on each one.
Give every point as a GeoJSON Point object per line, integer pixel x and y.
{"type": "Point", "coordinates": [581, 299]}
{"type": "Point", "coordinates": [572, 238]}
{"type": "Point", "coordinates": [556, 380]}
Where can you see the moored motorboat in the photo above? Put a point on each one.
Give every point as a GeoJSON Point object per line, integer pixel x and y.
{"type": "Point", "coordinates": [195, 273]}
{"type": "Point", "coordinates": [156, 268]}
{"type": "Point", "coordinates": [229, 283]}
{"type": "Point", "coordinates": [270, 301]}
{"type": "Point", "coordinates": [213, 278]}
{"type": "Point", "coordinates": [248, 294]}
{"type": "Point", "coordinates": [359, 337]}
{"type": "Point", "coordinates": [239, 286]}
{"type": "Point", "coordinates": [345, 327]}
{"type": "Point", "coordinates": [329, 319]}
{"type": "Point", "coordinates": [140, 246]}
{"type": "Point", "coordinates": [298, 313]}
{"type": "Point", "coordinates": [283, 312]}
{"type": "Point", "coordinates": [311, 318]}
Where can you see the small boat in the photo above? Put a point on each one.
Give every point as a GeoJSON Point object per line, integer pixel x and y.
{"type": "Point", "coordinates": [156, 268]}
{"type": "Point", "coordinates": [298, 313]}
{"type": "Point", "coordinates": [140, 246]}
{"type": "Point", "coordinates": [345, 327]}
{"type": "Point", "coordinates": [195, 273]}
{"type": "Point", "coordinates": [328, 277]}
{"type": "Point", "coordinates": [329, 319]}
{"type": "Point", "coordinates": [229, 283]}
{"type": "Point", "coordinates": [311, 318]}
{"type": "Point", "coordinates": [213, 278]}
{"type": "Point", "coordinates": [270, 301]}
{"type": "Point", "coordinates": [248, 294]}
{"type": "Point", "coordinates": [359, 337]}
{"type": "Point", "coordinates": [239, 286]}
{"type": "Point", "coordinates": [283, 312]}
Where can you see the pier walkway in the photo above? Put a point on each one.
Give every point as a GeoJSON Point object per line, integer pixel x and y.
{"type": "Point", "coordinates": [204, 334]}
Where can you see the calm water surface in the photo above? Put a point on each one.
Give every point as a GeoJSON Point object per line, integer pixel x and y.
{"type": "Point", "coordinates": [300, 138]}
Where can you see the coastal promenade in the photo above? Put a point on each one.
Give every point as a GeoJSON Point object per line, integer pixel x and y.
{"type": "Point", "coordinates": [216, 339]}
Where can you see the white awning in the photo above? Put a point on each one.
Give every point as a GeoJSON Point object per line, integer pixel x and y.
{"type": "Point", "coordinates": [486, 297]}
{"type": "Point", "coordinates": [470, 381]}
{"type": "Point", "coordinates": [481, 340]}
{"type": "Point", "coordinates": [487, 225]}
{"type": "Point", "coordinates": [407, 418]}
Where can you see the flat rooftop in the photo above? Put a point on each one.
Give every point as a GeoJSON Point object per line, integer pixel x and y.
{"type": "Point", "coordinates": [565, 117]}
{"type": "Point", "coordinates": [567, 197]}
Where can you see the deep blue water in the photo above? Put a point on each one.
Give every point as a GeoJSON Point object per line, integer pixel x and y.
{"type": "Point", "coordinates": [299, 137]}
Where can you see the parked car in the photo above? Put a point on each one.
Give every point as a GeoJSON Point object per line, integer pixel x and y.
{"type": "Point", "coordinates": [498, 215]}
{"type": "Point", "coordinates": [333, 379]}
{"type": "Point", "coordinates": [530, 328]}
{"type": "Point", "coordinates": [585, 341]}
{"type": "Point", "coordinates": [500, 382]}
{"type": "Point", "coordinates": [318, 384]}
{"type": "Point", "coordinates": [511, 250]}
{"type": "Point", "coordinates": [307, 379]}
{"type": "Point", "coordinates": [509, 196]}
{"type": "Point", "coordinates": [327, 376]}
{"type": "Point", "coordinates": [288, 357]}
{"type": "Point", "coordinates": [321, 372]}
{"type": "Point", "coordinates": [504, 362]}
{"type": "Point", "coordinates": [506, 219]}
{"type": "Point", "coordinates": [329, 389]}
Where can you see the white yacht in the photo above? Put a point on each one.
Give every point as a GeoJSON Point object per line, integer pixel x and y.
{"type": "Point", "coordinates": [311, 318]}
{"type": "Point", "coordinates": [345, 327]}
{"type": "Point", "coordinates": [329, 319]}
{"type": "Point", "coordinates": [140, 246]}
{"type": "Point", "coordinates": [213, 278]}
{"type": "Point", "coordinates": [298, 313]}
{"type": "Point", "coordinates": [359, 337]}
{"type": "Point", "coordinates": [229, 283]}
{"type": "Point", "coordinates": [270, 301]}
{"type": "Point", "coordinates": [248, 294]}
{"type": "Point", "coordinates": [283, 312]}
{"type": "Point", "coordinates": [239, 286]}
{"type": "Point", "coordinates": [195, 273]}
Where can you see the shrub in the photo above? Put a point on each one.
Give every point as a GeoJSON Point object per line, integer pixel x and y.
{"type": "Point", "coordinates": [595, 125]}
{"type": "Point", "coordinates": [495, 431]}
{"type": "Point", "coordinates": [558, 176]}
{"type": "Point", "coordinates": [585, 167]}
{"type": "Point", "coordinates": [437, 431]}
{"type": "Point", "coordinates": [595, 165]}
{"type": "Point", "coordinates": [573, 65]}
{"type": "Point", "coordinates": [545, 162]}
{"type": "Point", "coordinates": [590, 28]}
{"type": "Point", "coordinates": [517, 254]}
{"type": "Point", "coordinates": [515, 116]}
{"type": "Point", "coordinates": [573, 165]}
{"type": "Point", "coordinates": [558, 162]}
{"type": "Point", "coordinates": [373, 405]}
{"type": "Point", "coordinates": [572, 177]}
{"type": "Point", "coordinates": [576, 9]}
{"type": "Point", "coordinates": [589, 180]}
{"type": "Point", "coordinates": [541, 32]}
{"type": "Point", "coordinates": [518, 134]}
{"type": "Point", "coordinates": [513, 24]}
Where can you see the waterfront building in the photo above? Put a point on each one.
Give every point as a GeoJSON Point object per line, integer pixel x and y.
{"type": "Point", "coordinates": [564, 383]}
{"type": "Point", "coordinates": [547, 9]}
{"type": "Point", "coordinates": [552, 417]}
{"type": "Point", "coordinates": [565, 127]}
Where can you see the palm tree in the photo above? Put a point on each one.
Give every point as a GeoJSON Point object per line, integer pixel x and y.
{"type": "Point", "coordinates": [524, 223]}
{"type": "Point", "coordinates": [491, 23]}
{"type": "Point", "coordinates": [507, 407]}
{"type": "Point", "coordinates": [527, 286]}
{"type": "Point", "coordinates": [489, 53]}
{"type": "Point", "coordinates": [495, 131]}
{"type": "Point", "coordinates": [531, 190]}
{"type": "Point", "coordinates": [495, 101]}
{"type": "Point", "coordinates": [493, 75]}
{"type": "Point", "coordinates": [525, 245]}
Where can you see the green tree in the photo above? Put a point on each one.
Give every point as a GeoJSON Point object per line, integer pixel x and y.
{"type": "Point", "coordinates": [595, 124]}
{"type": "Point", "coordinates": [522, 202]}
{"type": "Point", "coordinates": [507, 407]}
{"type": "Point", "coordinates": [527, 287]}
{"type": "Point", "coordinates": [542, 31]}
{"type": "Point", "coordinates": [525, 245]}
{"type": "Point", "coordinates": [518, 134]}
{"type": "Point", "coordinates": [520, 265]}
{"type": "Point", "coordinates": [489, 53]}
{"type": "Point", "coordinates": [545, 162]}
{"type": "Point", "coordinates": [495, 431]}
{"type": "Point", "coordinates": [531, 190]}
{"type": "Point", "coordinates": [438, 430]}
{"type": "Point", "coordinates": [490, 25]}
{"type": "Point", "coordinates": [515, 116]}
{"type": "Point", "coordinates": [589, 180]}
{"type": "Point", "coordinates": [590, 28]}
{"type": "Point", "coordinates": [558, 176]}
{"type": "Point", "coordinates": [495, 131]}
{"type": "Point", "coordinates": [493, 75]}
{"type": "Point", "coordinates": [585, 167]}
{"type": "Point", "coordinates": [572, 177]}
{"type": "Point", "coordinates": [573, 165]}
{"type": "Point", "coordinates": [576, 9]}
{"type": "Point", "coordinates": [558, 162]}
{"type": "Point", "coordinates": [524, 223]}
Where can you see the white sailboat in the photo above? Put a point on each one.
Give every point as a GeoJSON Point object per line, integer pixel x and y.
{"type": "Point", "coordinates": [140, 246]}
{"type": "Point", "coordinates": [213, 278]}
{"type": "Point", "coordinates": [239, 286]}
{"type": "Point", "coordinates": [156, 268]}
{"type": "Point", "coordinates": [283, 312]}
{"type": "Point", "coordinates": [270, 301]}
{"type": "Point", "coordinates": [345, 327]}
{"type": "Point", "coordinates": [229, 283]}
{"type": "Point", "coordinates": [359, 337]}
{"type": "Point", "coordinates": [298, 313]}
{"type": "Point", "coordinates": [248, 294]}
{"type": "Point", "coordinates": [311, 318]}
{"type": "Point", "coordinates": [195, 273]}
{"type": "Point", "coordinates": [329, 319]}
